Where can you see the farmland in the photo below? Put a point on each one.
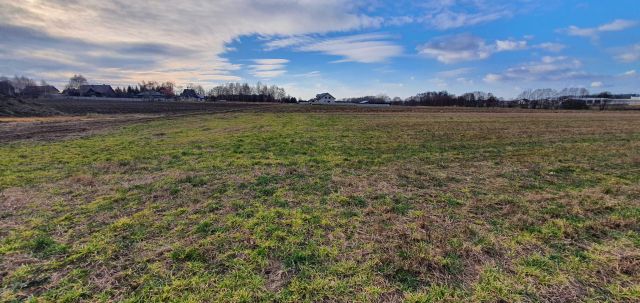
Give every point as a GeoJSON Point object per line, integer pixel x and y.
{"type": "Point", "coordinates": [308, 204]}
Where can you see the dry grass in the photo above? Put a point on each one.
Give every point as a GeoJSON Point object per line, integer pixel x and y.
{"type": "Point", "coordinates": [337, 205]}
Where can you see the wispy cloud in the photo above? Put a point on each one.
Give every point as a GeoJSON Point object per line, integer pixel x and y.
{"type": "Point", "coordinates": [268, 68]}
{"type": "Point", "coordinates": [363, 48]}
{"type": "Point", "coordinates": [448, 19]}
{"type": "Point", "coordinates": [466, 47]}
{"type": "Point", "coordinates": [550, 46]}
{"type": "Point", "coordinates": [451, 14]}
{"type": "Point", "coordinates": [629, 54]}
{"type": "Point", "coordinates": [453, 73]}
{"type": "Point", "coordinates": [594, 32]}
{"type": "Point", "coordinates": [192, 36]}
{"type": "Point", "coordinates": [547, 69]}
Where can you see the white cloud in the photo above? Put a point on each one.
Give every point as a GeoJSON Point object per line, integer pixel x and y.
{"type": "Point", "coordinates": [400, 20]}
{"type": "Point", "coordinates": [510, 45]}
{"type": "Point", "coordinates": [310, 74]}
{"type": "Point", "coordinates": [629, 54]}
{"type": "Point", "coordinates": [363, 48]}
{"type": "Point", "coordinates": [448, 20]}
{"type": "Point", "coordinates": [491, 78]}
{"type": "Point", "coordinates": [454, 72]}
{"type": "Point", "coordinates": [287, 42]}
{"type": "Point", "coordinates": [551, 47]}
{"type": "Point", "coordinates": [593, 32]}
{"type": "Point", "coordinates": [451, 49]}
{"type": "Point", "coordinates": [630, 73]}
{"type": "Point", "coordinates": [268, 68]}
{"type": "Point", "coordinates": [597, 84]}
{"type": "Point", "coordinates": [187, 40]}
{"type": "Point", "coordinates": [466, 47]}
{"type": "Point", "coordinates": [450, 14]}
{"type": "Point", "coordinates": [549, 68]}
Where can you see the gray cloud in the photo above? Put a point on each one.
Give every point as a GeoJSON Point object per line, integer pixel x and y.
{"type": "Point", "coordinates": [549, 68]}
{"type": "Point", "coordinates": [188, 39]}
{"type": "Point", "coordinates": [466, 47]}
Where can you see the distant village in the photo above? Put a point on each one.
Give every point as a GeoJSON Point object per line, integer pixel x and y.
{"type": "Point", "coordinates": [79, 88]}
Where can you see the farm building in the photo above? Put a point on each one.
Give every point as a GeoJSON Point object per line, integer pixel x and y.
{"type": "Point", "coordinates": [190, 94]}
{"type": "Point", "coordinates": [633, 101]}
{"type": "Point", "coordinates": [151, 95]}
{"type": "Point", "coordinates": [6, 89]}
{"type": "Point", "coordinates": [324, 98]}
{"type": "Point", "coordinates": [97, 91]}
{"type": "Point", "coordinates": [39, 91]}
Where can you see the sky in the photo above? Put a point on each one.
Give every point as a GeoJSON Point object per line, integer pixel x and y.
{"type": "Point", "coordinates": [347, 48]}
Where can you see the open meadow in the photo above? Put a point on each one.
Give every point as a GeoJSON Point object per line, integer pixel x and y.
{"type": "Point", "coordinates": [322, 204]}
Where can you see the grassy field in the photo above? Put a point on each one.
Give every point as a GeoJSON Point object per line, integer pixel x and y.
{"type": "Point", "coordinates": [386, 206]}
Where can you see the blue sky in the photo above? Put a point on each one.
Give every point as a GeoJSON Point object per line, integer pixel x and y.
{"type": "Point", "coordinates": [347, 48]}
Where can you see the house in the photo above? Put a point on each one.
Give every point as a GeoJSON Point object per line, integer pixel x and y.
{"type": "Point", "coordinates": [97, 91]}
{"type": "Point", "coordinates": [37, 91]}
{"type": "Point", "coordinates": [324, 98]}
{"type": "Point", "coordinates": [151, 95]}
{"type": "Point", "coordinates": [190, 94]}
{"type": "Point", "coordinates": [6, 89]}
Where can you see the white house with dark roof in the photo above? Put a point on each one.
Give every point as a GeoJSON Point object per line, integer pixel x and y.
{"type": "Point", "coordinates": [324, 98]}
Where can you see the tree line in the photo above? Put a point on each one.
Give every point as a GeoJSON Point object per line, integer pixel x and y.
{"type": "Point", "coordinates": [247, 93]}
{"type": "Point", "coordinates": [244, 92]}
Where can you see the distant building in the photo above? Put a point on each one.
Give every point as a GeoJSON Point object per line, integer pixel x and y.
{"type": "Point", "coordinates": [610, 102]}
{"type": "Point", "coordinates": [151, 95]}
{"type": "Point", "coordinates": [6, 89]}
{"type": "Point", "coordinates": [97, 91]}
{"type": "Point", "coordinates": [190, 94]}
{"type": "Point", "coordinates": [324, 98]}
{"type": "Point", "coordinates": [37, 91]}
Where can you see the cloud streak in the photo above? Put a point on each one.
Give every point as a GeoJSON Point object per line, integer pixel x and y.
{"type": "Point", "coordinates": [594, 32]}
{"type": "Point", "coordinates": [466, 47]}
{"type": "Point", "coordinates": [363, 48]}
{"type": "Point", "coordinates": [549, 68]}
{"type": "Point", "coordinates": [268, 68]}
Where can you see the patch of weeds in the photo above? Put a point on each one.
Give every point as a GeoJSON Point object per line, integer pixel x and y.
{"type": "Point", "coordinates": [195, 181]}
{"type": "Point", "coordinates": [207, 227]}
{"type": "Point", "coordinates": [401, 205]}
{"type": "Point", "coordinates": [349, 213]}
{"type": "Point", "coordinates": [212, 206]}
{"type": "Point", "coordinates": [43, 245]}
{"type": "Point", "coordinates": [175, 189]}
{"type": "Point", "coordinates": [266, 191]}
{"type": "Point", "coordinates": [435, 294]}
{"type": "Point", "coordinates": [24, 277]}
{"type": "Point", "coordinates": [352, 201]}
{"type": "Point", "coordinates": [188, 254]}
{"type": "Point", "coordinates": [553, 229]}
{"type": "Point", "coordinates": [73, 288]}
{"type": "Point", "coordinates": [357, 201]}
{"type": "Point", "coordinates": [408, 280]}
{"type": "Point", "coordinates": [304, 256]}
{"type": "Point", "coordinates": [452, 263]}
{"type": "Point", "coordinates": [495, 286]}
{"type": "Point", "coordinates": [452, 201]}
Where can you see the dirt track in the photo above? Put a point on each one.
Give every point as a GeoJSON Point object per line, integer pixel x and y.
{"type": "Point", "coordinates": [88, 117]}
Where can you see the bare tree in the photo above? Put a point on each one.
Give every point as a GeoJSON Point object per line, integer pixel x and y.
{"type": "Point", "coordinates": [197, 88]}
{"type": "Point", "coordinates": [76, 81]}
{"type": "Point", "coordinates": [19, 83]}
